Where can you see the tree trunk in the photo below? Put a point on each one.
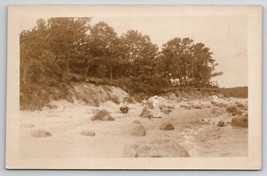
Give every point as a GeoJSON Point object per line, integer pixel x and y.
{"type": "Point", "coordinates": [86, 71]}
{"type": "Point", "coordinates": [24, 77]}
{"type": "Point", "coordinates": [111, 73]}
{"type": "Point", "coordinates": [67, 65]}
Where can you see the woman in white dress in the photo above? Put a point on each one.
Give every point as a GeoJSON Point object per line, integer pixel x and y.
{"type": "Point", "coordinates": [156, 112]}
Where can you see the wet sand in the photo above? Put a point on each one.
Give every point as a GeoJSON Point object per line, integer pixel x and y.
{"type": "Point", "coordinates": [195, 129]}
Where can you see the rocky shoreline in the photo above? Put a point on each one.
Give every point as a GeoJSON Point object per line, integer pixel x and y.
{"type": "Point", "coordinates": [207, 127]}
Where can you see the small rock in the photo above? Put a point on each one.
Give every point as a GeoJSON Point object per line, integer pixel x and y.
{"type": "Point", "coordinates": [41, 133]}
{"type": "Point", "coordinates": [239, 113]}
{"type": "Point", "coordinates": [166, 110]}
{"type": "Point", "coordinates": [197, 106]}
{"type": "Point", "coordinates": [231, 109]}
{"type": "Point", "coordinates": [103, 115]}
{"type": "Point", "coordinates": [205, 121]}
{"type": "Point", "coordinates": [185, 105]}
{"type": "Point", "coordinates": [218, 103]}
{"type": "Point", "coordinates": [188, 107]}
{"type": "Point", "coordinates": [167, 126]}
{"type": "Point", "coordinates": [214, 97]}
{"type": "Point", "coordinates": [240, 121]}
{"type": "Point", "coordinates": [214, 110]}
{"type": "Point", "coordinates": [221, 124]}
{"type": "Point", "coordinates": [205, 104]}
{"type": "Point", "coordinates": [239, 105]}
{"type": "Point", "coordinates": [222, 105]}
{"type": "Point", "coordinates": [87, 133]}
{"type": "Point", "coordinates": [136, 122]}
{"type": "Point", "coordinates": [129, 100]}
{"type": "Point", "coordinates": [138, 131]}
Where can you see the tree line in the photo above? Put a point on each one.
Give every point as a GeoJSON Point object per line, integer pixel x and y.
{"type": "Point", "coordinates": [72, 49]}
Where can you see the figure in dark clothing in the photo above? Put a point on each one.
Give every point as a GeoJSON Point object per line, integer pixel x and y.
{"type": "Point", "coordinates": [123, 108]}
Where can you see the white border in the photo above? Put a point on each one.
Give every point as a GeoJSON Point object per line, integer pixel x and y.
{"type": "Point", "coordinates": [253, 161]}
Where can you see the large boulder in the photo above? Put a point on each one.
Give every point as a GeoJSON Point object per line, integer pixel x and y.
{"type": "Point", "coordinates": [103, 115]}
{"type": "Point", "coordinates": [185, 105]}
{"type": "Point", "coordinates": [167, 126]}
{"type": "Point", "coordinates": [146, 112]}
{"type": "Point", "coordinates": [241, 121]}
{"type": "Point", "coordinates": [157, 101]}
{"type": "Point", "coordinates": [205, 104]}
{"type": "Point", "coordinates": [214, 97]}
{"type": "Point", "coordinates": [231, 109]}
{"type": "Point", "coordinates": [138, 130]}
{"type": "Point", "coordinates": [155, 149]}
{"type": "Point", "coordinates": [218, 103]}
{"type": "Point", "coordinates": [197, 106]}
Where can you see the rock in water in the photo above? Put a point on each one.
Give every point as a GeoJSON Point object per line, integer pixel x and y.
{"type": "Point", "coordinates": [231, 109]}
{"type": "Point", "coordinates": [167, 126]}
{"type": "Point", "coordinates": [240, 121]}
{"type": "Point", "coordinates": [155, 149]}
{"type": "Point", "coordinates": [103, 115]}
{"type": "Point", "coordinates": [239, 113]}
{"type": "Point", "coordinates": [221, 124]}
{"type": "Point", "coordinates": [146, 113]}
{"type": "Point", "coordinates": [41, 133]}
{"type": "Point", "coordinates": [218, 103]}
{"type": "Point", "coordinates": [138, 131]}
{"type": "Point", "coordinates": [240, 105]}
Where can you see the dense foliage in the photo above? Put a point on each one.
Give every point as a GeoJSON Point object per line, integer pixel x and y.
{"type": "Point", "coordinates": [59, 51]}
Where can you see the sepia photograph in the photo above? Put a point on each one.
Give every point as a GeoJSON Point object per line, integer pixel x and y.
{"type": "Point", "coordinates": [134, 87]}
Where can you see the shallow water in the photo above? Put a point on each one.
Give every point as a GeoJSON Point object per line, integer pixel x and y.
{"type": "Point", "coordinates": [199, 138]}
{"type": "Point", "coordinates": [213, 141]}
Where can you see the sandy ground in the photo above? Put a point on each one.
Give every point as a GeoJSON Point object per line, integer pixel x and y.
{"type": "Point", "coordinates": [195, 129]}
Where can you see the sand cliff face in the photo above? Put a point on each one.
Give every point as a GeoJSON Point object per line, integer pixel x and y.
{"type": "Point", "coordinates": [201, 127]}
{"type": "Point", "coordinates": [94, 95]}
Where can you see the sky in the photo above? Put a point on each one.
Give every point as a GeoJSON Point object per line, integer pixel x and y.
{"type": "Point", "coordinates": [225, 35]}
